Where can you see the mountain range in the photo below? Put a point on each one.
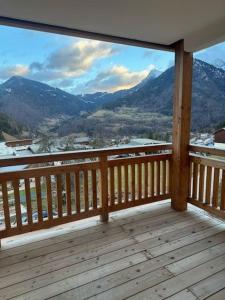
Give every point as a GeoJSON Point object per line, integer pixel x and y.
{"type": "Point", "coordinates": [31, 103]}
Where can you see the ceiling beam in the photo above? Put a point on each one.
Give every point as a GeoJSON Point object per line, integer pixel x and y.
{"type": "Point", "coordinates": [81, 33]}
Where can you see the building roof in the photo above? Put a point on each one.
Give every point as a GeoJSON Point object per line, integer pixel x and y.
{"type": "Point", "coordinates": [200, 23]}
{"type": "Point", "coordinates": [9, 138]}
{"type": "Point", "coordinates": [221, 129]}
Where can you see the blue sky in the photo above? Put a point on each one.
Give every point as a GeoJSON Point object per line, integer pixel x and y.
{"type": "Point", "coordinates": [82, 66]}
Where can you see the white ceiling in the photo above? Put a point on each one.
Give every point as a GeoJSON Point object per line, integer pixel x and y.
{"type": "Point", "coordinates": [200, 23]}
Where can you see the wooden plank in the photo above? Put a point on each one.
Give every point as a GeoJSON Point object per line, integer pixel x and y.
{"type": "Point", "coordinates": [181, 126]}
{"type": "Point", "coordinates": [49, 170]}
{"type": "Point", "coordinates": [152, 179]}
{"type": "Point", "coordinates": [49, 290]}
{"type": "Point", "coordinates": [201, 182]}
{"type": "Point", "coordinates": [146, 180]}
{"type": "Point", "coordinates": [208, 150]}
{"type": "Point", "coordinates": [218, 296]}
{"type": "Point", "coordinates": [164, 177]}
{"type": "Point", "coordinates": [39, 198]}
{"type": "Point", "coordinates": [209, 286]}
{"type": "Point", "coordinates": [68, 194]}
{"type": "Point", "coordinates": [104, 188]}
{"type": "Point", "coordinates": [212, 210]}
{"type": "Point", "coordinates": [86, 198]}
{"type": "Point", "coordinates": [195, 181]}
{"type": "Point", "coordinates": [212, 162]}
{"type": "Point", "coordinates": [119, 185]}
{"type": "Point", "coordinates": [133, 190]}
{"type": "Point", "coordinates": [139, 181]}
{"type": "Point", "coordinates": [191, 180]}
{"type": "Point", "coordinates": [59, 195]}
{"type": "Point", "coordinates": [94, 189]}
{"type": "Point", "coordinates": [125, 217]}
{"type": "Point", "coordinates": [74, 155]}
{"type": "Point", "coordinates": [28, 201]}
{"type": "Point", "coordinates": [215, 188]}
{"type": "Point", "coordinates": [6, 205]}
{"type": "Point", "coordinates": [17, 203]}
{"type": "Point", "coordinates": [77, 191]}
{"type": "Point", "coordinates": [112, 186]}
{"type": "Point", "coordinates": [222, 202]}
{"type": "Point", "coordinates": [196, 259]}
{"type": "Point", "coordinates": [184, 295]}
{"type": "Point", "coordinates": [124, 286]}
{"type": "Point", "coordinates": [126, 188]}
{"type": "Point", "coordinates": [208, 185]}
{"type": "Point", "coordinates": [182, 281]}
{"type": "Point", "coordinates": [49, 197]}
{"type": "Point", "coordinates": [158, 181]}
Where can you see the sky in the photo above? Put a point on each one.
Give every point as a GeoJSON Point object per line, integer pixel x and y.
{"type": "Point", "coordinates": [83, 66]}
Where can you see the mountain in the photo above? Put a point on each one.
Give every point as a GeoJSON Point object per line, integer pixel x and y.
{"type": "Point", "coordinates": [219, 63]}
{"type": "Point", "coordinates": [101, 98]}
{"type": "Point", "coordinates": [208, 96]}
{"type": "Point", "coordinates": [141, 109]}
{"type": "Point", "coordinates": [30, 102]}
{"type": "Point", "coordinates": [147, 108]}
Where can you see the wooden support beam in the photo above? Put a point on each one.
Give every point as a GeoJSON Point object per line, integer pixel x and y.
{"type": "Point", "coordinates": [181, 126]}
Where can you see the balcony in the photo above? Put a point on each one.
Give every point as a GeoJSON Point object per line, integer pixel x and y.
{"type": "Point", "coordinates": [145, 252]}
{"type": "Point", "coordinates": [157, 238]}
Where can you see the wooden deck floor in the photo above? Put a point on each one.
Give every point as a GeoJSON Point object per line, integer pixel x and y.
{"type": "Point", "coordinates": [148, 252]}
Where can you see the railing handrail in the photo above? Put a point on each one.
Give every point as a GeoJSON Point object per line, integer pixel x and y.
{"type": "Point", "coordinates": [72, 155]}
{"type": "Point", "coordinates": [207, 150]}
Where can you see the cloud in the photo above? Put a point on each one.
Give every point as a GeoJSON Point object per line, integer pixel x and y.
{"type": "Point", "coordinates": [114, 79]}
{"type": "Point", "coordinates": [9, 71]}
{"type": "Point", "coordinates": [77, 58]}
{"type": "Point", "coordinates": [68, 62]}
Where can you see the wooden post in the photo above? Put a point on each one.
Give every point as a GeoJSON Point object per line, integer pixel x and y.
{"type": "Point", "coordinates": [104, 188]}
{"type": "Point", "coordinates": [181, 126]}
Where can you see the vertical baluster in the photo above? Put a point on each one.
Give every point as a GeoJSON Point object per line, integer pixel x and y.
{"type": "Point", "coordinates": [170, 175]}
{"type": "Point", "coordinates": [104, 188]}
{"type": "Point", "coordinates": [146, 180]}
{"type": "Point", "coordinates": [6, 205]}
{"type": "Point", "coordinates": [59, 195]}
{"type": "Point", "coordinates": [158, 178]}
{"type": "Point", "coordinates": [133, 181]}
{"type": "Point", "coordinates": [195, 181]}
{"type": "Point", "coordinates": [17, 203]}
{"type": "Point", "coordinates": [39, 199]}
{"type": "Point", "coordinates": [77, 191]}
{"type": "Point", "coordinates": [68, 194]}
{"type": "Point", "coordinates": [28, 201]}
{"type": "Point", "coordinates": [208, 185]}
{"type": "Point", "coordinates": [164, 177]}
{"type": "Point", "coordinates": [86, 198]}
{"type": "Point", "coordinates": [126, 183]}
{"type": "Point", "coordinates": [201, 182]}
{"type": "Point", "coordinates": [153, 178]}
{"type": "Point", "coordinates": [222, 203]}
{"type": "Point", "coordinates": [190, 180]}
{"type": "Point", "coordinates": [139, 181]}
{"type": "Point", "coordinates": [215, 188]}
{"type": "Point", "coordinates": [94, 189]}
{"type": "Point", "coordinates": [119, 185]}
{"type": "Point", "coordinates": [49, 196]}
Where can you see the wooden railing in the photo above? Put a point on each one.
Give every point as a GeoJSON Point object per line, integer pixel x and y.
{"type": "Point", "coordinates": [207, 179]}
{"type": "Point", "coordinates": [81, 185]}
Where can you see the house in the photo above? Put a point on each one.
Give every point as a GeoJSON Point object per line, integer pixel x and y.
{"type": "Point", "coordinates": [161, 241]}
{"type": "Point", "coordinates": [219, 136]}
